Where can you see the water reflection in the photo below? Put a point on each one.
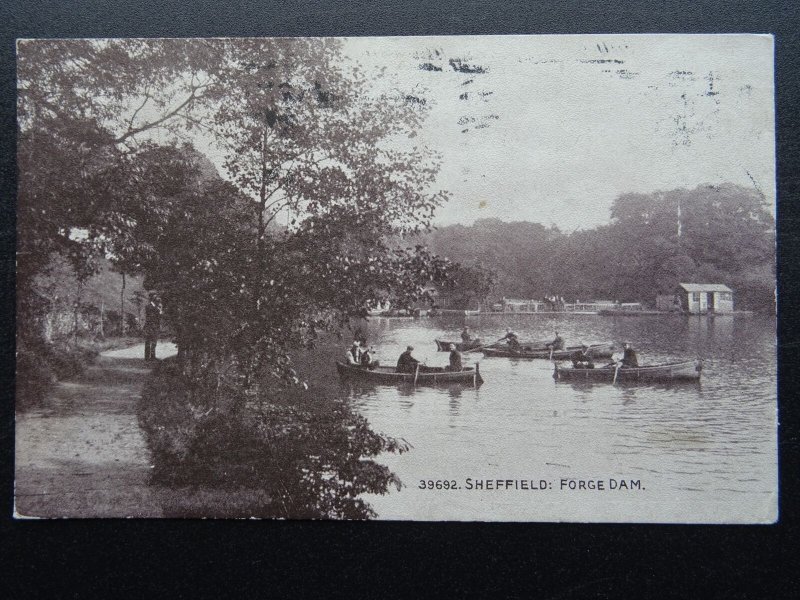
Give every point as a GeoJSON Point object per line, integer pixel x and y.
{"type": "Point", "coordinates": [693, 444]}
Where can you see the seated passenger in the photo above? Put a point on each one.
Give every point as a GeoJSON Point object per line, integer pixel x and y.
{"type": "Point", "coordinates": [354, 354]}
{"type": "Point", "coordinates": [368, 359]}
{"type": "Point", "coordinates": [629, 358]}
{"type": "Point", "coordinates": [455, 360]}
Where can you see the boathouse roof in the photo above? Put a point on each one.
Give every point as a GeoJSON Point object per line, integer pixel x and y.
{"type": "Point", "coordinates": [705, 287]}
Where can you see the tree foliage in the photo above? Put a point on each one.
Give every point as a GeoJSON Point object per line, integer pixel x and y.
{"type": "Point", "coordinates": [108, 169]}
{"type": "Point", "coordinates": [714, 234]}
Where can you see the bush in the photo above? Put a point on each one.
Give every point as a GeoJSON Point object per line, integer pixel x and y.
{"type": "Point", "coordinates": [312, 457]}
{"type": "Point", "coordinates": [41, 364]}
{"type": "Point", "coordinates": [33, 379]}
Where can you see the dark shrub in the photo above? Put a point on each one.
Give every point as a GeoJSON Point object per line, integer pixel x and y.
{"type": "Point", "coordinates": [312, 457]}
{"type": "Point", "coordinates": [34, 378]}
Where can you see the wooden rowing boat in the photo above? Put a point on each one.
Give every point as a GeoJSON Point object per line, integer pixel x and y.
{"type": "Point", "coordinates": [597, 351]}
{"type": "Point", "coordinates": [444, 346]}
{"type": "Point", "coordinates": [389, 375]}
{"type": "Point", "coordinates": [687, 370]}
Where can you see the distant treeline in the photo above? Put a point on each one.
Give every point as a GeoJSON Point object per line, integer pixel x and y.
{"type": "Point", "coordinates": [711, 234]}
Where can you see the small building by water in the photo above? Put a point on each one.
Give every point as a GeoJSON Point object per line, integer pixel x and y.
{"type": "Point", "coordinates": [698, 298]}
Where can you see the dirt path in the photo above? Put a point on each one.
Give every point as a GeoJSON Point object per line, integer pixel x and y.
{"type": "Point", "coordinates": [83, 454]}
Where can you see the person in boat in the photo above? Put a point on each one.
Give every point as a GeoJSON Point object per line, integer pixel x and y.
{"type": "Point", "coordinates": [455, 360]}
{"type": "Point", "coordinates": [354, 354]}
{"type": "Point", "coordinates": [629, 358]}
{"type": "Point", "coordinates": [511, 339]}
{"type": "Point", "coordinates": [582, 359]}
{"type": "Point", "coordinates": [465, 336]}
{"type": "Point", "coordinates": [407, 363]}
{"type": "Point", "coordinates": [556, 344]}
{"type": "Point", "coordinates": [368, 359]}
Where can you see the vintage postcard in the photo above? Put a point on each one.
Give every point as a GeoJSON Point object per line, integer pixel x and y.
{"type": "Point", "coordinates": [478, 278]}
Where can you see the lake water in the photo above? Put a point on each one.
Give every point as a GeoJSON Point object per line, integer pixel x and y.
{"type": "Point", "coordinates": [694, 453]}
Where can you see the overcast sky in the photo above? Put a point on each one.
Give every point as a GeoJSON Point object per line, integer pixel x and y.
{"type": "Point", "coordinates": [556, 127]}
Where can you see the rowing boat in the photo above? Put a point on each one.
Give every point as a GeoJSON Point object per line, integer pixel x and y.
{"type": "Point", "coordinates": [390, 376]}
{"type": "Point", "coordinates": [687, 370]}
{"type": "Point", "coordinates": [596, 350]}
{"type": "Point", "coordinates": [444, 346]}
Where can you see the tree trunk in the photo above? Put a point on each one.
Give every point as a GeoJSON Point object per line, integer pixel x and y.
{"type": "Point", "coordinates": [122, 306]}
{"type": "Point", "coordinates": [102, 316]}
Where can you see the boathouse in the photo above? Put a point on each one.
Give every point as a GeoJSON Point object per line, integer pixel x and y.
{"type": "Point", "coordinates": [701, 298]}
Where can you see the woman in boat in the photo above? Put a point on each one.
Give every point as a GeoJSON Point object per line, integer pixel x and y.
{"type": "Point", "coordinates": [407, 363]}
{"type": "Point", "coordinates": [455, 360]}
{"type": "Point", "coordinates": [629, 358]}
{"type": "Point", "coordinates": [465, 336]}
{"type": "Point", "coordinates": [582, 359]}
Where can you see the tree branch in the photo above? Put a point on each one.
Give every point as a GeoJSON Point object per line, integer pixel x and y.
{"type": "Point", "coordinates": [133, 131]}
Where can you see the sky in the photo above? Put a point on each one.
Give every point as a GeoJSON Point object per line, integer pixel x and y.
{"type": "Point", "coordinates": [552, 129]}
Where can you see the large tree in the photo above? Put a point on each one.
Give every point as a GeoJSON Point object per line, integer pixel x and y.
{"type": "Point", "coordinates": [104, 171]}
{"type": "Point", "coordinates": [302, 134]}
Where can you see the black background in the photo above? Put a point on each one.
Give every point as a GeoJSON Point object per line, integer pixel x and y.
{"type": "Point", "coordinates": [184, 559]}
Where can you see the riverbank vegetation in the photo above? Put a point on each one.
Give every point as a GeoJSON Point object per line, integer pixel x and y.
{"type": "Point", "coordinates": [68, 321]}
{"type": "Point", "coordinates": [300, 237]}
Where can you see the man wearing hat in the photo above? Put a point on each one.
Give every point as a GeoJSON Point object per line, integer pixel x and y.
{"type": "Point", "coordinates": [556, 344]}
{"type": "Point", "coordinates": [152, 325]}
{"type": "Point", "coordinates": [629, 358]}
{"type": "Point", "coordinates": [511, 339]}
{"type": "Point", "coordinates": [582, 359]}
{"type": "Point", "coordinates": [407, 363]}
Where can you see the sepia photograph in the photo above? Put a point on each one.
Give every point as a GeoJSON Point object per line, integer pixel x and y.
{"type": "Point", "coordinates": [519, 278]}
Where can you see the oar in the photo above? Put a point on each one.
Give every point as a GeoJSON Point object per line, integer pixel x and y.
{"type": "Point", "coordinates": [416, 374]}
{"type": "Point", "coordinates": [616, 371]}
{"type": "Point", "coordinates": [480, 347]}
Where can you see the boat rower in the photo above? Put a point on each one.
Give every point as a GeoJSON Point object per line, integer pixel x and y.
{"type": "Point", "coordinates": [582, 359]}
{"type": "Point", "coordinates": [511, 339]}
{"type": "Point", "coordinates": [407, 363]}
{"type": "Point", "coordinates": [465, 336]}
{"type": "Point", "coordinates": [629, 358]}
{"type": "Point", "coordinates": [556, 344]}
